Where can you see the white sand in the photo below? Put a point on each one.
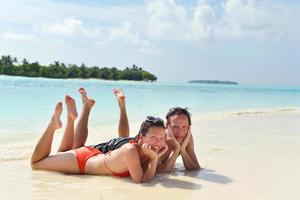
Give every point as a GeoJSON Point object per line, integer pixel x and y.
{"type": "Point", "coordinates": [245, 157]}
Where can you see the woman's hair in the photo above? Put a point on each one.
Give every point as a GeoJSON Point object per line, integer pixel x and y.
{"type": "Point", "coordinates": [149, 122]}
{"type": "Point", "coordinates": [178, 111]}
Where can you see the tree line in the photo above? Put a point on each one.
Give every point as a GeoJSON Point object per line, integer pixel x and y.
{"type": "Point", "coordinates": [10, 66]}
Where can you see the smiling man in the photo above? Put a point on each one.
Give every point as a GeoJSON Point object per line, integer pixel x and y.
{"type": "Point", "coordinates": [180, 140]}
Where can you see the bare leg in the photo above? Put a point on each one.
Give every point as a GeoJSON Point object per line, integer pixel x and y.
{"type": "Point", "coordinates": [123, 121]}
{"type": "Point", "coordinates": [43, 147]}
{"type": "Point", "coordinates": [68, 137]}
{"type": "Point", "coordinates": [81, 131]}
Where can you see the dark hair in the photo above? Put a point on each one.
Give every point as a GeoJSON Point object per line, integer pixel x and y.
{"type": "Point", "coordinates": [149, 122]}
{"type": "Point", "coordinates": [178, 111]}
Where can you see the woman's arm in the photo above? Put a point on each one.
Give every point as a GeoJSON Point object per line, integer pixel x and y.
{"type": "Point", "coordinates": [133, 162]}
{"type": "Point", "coordinates": [139, 175]}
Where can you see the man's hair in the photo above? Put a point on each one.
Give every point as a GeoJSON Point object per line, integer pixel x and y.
{"type": "Point", "coordinates": [178, 111]}
{"type": "Point", "coordinates": [149, 122]}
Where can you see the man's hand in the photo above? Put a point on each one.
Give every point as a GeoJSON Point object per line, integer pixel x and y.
{"type": "Point", "coordinates": [171, 141]}
{"type": "Point", "coordinates": [187, 152]}
{"type": "Point", "coordinates": [186, 140]}
{"type": "Point", "coordinates": [169, 133]}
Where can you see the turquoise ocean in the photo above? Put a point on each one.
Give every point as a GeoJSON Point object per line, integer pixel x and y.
{"type": "Point", "coordinates": [26, 104]}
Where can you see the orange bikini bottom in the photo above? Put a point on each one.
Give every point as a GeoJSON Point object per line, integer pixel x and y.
{"type": "Point", "coordinates": [85, 152]}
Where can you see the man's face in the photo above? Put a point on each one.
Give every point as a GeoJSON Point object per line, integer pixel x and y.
{"type": "Point", "coordinates": [156, 137]}
{"type": "Point", "coordinates": [179, 125]}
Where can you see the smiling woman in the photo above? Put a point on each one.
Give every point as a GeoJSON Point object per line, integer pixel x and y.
{"type": "Point", "coordinates": [137, 159]}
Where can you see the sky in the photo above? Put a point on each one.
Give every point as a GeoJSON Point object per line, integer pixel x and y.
{"type": "Point", "coordinates": [248, 41]}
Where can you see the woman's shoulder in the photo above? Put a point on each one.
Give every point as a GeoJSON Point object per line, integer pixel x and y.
{"type": "Point", "coordinates": [130, 148]}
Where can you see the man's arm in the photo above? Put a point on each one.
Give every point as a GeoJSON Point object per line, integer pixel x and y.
{"type": "Point", "coordinates": [169, 159]}
{"type": "Point", "coordinates": [188, 154]}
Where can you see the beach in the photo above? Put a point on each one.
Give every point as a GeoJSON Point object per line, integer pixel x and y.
{"type": "Point", "coordinates": [247, 156]}
{"type": "Point", "coordinates": [248, 153]}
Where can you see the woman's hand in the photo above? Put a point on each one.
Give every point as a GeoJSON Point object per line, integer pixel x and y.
{"type": "Point", "coordinates": [163, 150]}
{"type": "Point", "coordinates": [146, 148]}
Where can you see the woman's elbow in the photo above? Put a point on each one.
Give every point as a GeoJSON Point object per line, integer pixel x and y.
{"type": "Point", "coordinates": [137, 180]}
{"type": "Point", "coordinates": [163, 170]}
{"type": "Point", "coordinates": [34, 165]}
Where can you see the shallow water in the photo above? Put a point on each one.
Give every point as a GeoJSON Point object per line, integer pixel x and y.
{"type": "Point", "coordinates": [27, 103]}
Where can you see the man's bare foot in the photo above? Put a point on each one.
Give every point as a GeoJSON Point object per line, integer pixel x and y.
{"type": "Point", "coordinates": [120, 97]}
{"type": "Point", "coordinates": [71, 108]}
{"type": "Point", "coordinates": [55, 120]}
{"type": "Point", "coordinates": [85, 100]}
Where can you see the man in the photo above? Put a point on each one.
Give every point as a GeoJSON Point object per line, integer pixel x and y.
{"type": "Point", "coordinates": [179, 137]}
{"type": "Point", "coordinates": [180, 141]}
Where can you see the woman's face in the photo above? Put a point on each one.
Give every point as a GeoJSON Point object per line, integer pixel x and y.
{"type": "Point", "coordinates": [156, 137]}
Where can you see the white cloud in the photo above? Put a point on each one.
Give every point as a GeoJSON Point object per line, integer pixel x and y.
{"type": "Point", "coordinates": [202, 24]}
{"type": "Point", "coordinates": [229, 20]}
{"type": "Point", "coordinates": [251, 19]}
{"type": "Point", "coordinates": [156, 21]}
{"type": "Point", "coordinates": [166, 19]}
{"type": "Point", "coordinates": [17, 36]}
{"type": "Point", "coordinates": [126, 33]}
{"type": "Point", "coordinates": [75, 32]}
{"type": "Point", "coordinates": [70, 27]}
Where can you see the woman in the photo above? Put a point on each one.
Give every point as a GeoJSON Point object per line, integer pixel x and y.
{"type": "Point", "coordinates": [137, 159]}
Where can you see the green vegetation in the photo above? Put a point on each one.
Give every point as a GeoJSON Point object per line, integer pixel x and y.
{"type": "Point", "coordinates": [214, 82]}
{"type": "Point", "coordinates": [10, 66]}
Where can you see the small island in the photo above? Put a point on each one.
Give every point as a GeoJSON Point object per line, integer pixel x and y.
{"type": "Point", "coordinates": [10, 66]}
{"type": "Point", "coordinates": [214, 82]}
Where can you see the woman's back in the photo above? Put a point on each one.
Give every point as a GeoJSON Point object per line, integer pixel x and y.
{"type": "Point", "coordinates": [114, 162]}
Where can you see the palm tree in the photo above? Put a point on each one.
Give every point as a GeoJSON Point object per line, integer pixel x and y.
{"type": "Point", "coordinates": [25, 62]}
{"type": "Point", "coordinates": [15, 60]}
{"type": "Point", "coordinates": [7, 60]}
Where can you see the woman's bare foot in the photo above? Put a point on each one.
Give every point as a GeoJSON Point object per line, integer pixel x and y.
{"type": "Point", "coordinates": [120, 97]}
{"type": "Point", "coordinates": [85, 100]}
{"type": "Point", "coordinates": [55, 120]}
{"type": "Point", "coordinates": [71, 108]}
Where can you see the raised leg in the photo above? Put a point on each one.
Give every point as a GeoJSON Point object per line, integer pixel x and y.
{"type": "Point", "coordinates": [68, 137]}
{"type": "Point", "coordinates": [43, 147]}
{"type": "Point", "coordinates": [81, 131]}
{"type": "Point", "coordinates": [61, 162]}
{"type": "Point", "coordinates": [123, 128]}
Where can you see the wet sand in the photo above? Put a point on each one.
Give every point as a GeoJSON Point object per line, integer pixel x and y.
{"type": "Point", "coordinates": [243, 156]}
